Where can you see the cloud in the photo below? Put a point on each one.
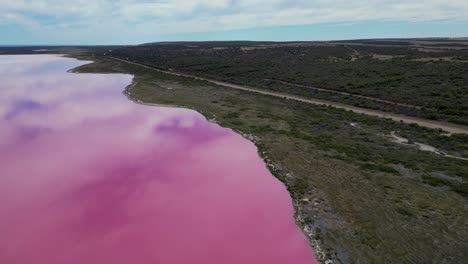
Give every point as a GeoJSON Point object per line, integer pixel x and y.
{"type": "Point", "coordinates": [143, 17]}
{"type": "Point", "coordinates": [15, 18]}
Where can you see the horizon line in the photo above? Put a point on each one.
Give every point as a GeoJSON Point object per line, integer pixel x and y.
{"type": "Point", "coordinates": [233, 40]}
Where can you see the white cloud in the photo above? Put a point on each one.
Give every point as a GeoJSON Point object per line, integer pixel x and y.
{"type": "Point", "coordinates": [15, 18]}
{"type": "Point", "coordinates": [143, 17]}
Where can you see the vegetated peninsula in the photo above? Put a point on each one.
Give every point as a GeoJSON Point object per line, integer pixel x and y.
{"type": "Point", "coordinates": [366, 189]}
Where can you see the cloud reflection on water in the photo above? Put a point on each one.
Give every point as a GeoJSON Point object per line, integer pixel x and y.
{"type": "Point", "coordinates": [87, 176]}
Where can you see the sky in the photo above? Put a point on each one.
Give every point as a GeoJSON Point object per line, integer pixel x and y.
{"type": "Point", "coordinates": [80, 22]}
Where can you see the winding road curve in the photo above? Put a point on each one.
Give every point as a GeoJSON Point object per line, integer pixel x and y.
{"type": "Point", "coordinates": [448, 127]}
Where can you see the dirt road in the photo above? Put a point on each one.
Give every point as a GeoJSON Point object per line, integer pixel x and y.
{"type": "Point", "coordinates": [448, 127]}
{"type": "Point", "coordinates": [347, 94]}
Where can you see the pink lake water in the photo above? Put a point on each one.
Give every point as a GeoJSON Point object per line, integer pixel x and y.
{"type": "Point", "coordinates": [87, 176]}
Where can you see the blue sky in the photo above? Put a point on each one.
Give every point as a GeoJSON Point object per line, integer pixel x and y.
{"type": "Point", "coordinates": [138, 21]}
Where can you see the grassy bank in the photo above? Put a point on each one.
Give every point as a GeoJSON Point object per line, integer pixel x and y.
{"type": "Point", "coordinates": [365, 198]}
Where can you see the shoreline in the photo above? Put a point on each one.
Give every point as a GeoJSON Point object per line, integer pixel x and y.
{"type": "Point", "coordinates": [306, 230]}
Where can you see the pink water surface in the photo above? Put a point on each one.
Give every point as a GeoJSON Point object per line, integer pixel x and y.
{"type": "Point", "coordinates": [89, 177]}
